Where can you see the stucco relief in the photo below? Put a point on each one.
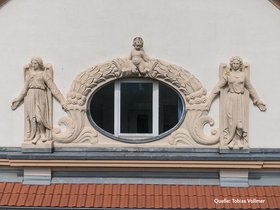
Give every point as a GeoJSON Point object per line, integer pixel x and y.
{"type": "Point", "coordinates": [234, 88]}
{"type": "Point", "coordinates": [139, 65]}
{"type": "Point", "coordinates": [37, 94]}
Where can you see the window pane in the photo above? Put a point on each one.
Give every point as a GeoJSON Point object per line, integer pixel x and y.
{"type": "Point", "coordinates": [170, 108]}
{"type": "Point", "coordinates": [136, 107]}
{"type": "Point", "coordinates": [102, 108]}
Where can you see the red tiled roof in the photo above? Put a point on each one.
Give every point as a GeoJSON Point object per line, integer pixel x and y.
{"type": "Point", "coordinates": [139, 196]}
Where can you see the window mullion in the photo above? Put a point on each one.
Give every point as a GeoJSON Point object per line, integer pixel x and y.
{"type": "Point", "coordinates": [155, 108]}
{"type": "Point", "coordinates": [117, 109]}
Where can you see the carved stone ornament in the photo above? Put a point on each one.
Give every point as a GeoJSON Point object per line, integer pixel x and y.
{"type": "Point", "coordinates": [37, 94]}
{"type": "Point", "coordinates": [235, 89]}
{"type": "Point", "coordinates": [76, 130]}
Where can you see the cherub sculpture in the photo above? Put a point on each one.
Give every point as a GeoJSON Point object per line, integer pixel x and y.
{"type": "Point", "coordinates": [138, 56]}
{"type": "Point", "coordinates": [37, 96]}
{"type": "Point", "coordinates": [235, 88]}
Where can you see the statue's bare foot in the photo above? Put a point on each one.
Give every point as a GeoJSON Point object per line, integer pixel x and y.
{"type": "Point", "coordinates": [44, 139]}
{"type": "Point", "coordinates": [35, 140]}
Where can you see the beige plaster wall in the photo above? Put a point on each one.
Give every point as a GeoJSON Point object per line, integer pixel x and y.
{"type": "Point", "coordinates": [194, 34]}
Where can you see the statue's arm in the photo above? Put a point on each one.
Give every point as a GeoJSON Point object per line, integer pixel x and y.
{"type": "Point", "coordinates": [55, 91]}
{"type": "Point", "coordinates": [216, 91]}
{"type": "Point", "coordinates": [18, 100]}
{"type": "Point", "coordinates": [254, 96]}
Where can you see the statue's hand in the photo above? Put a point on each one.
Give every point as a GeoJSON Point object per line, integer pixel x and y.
{"type": "Point", "coordinates": [15, 103]}
{"type": "Point", "coordinates": [261, 106]}
{"type": "Point", "coordinates": [64, 105]}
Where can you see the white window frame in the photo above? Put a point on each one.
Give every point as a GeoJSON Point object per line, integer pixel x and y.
{"type": "Point", "coordinates": [117, 110]}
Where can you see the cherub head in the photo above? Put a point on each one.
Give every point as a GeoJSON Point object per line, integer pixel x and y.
{"type": "Point", "coordinates": [138, 43]}
{"type": "Point", "coordinates": [37, 63]}
{"type": "Point", "coordinates": [236, 63]}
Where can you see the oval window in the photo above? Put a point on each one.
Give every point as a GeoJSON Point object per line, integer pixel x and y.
{"type": "Point", "coordinates": [135, 111]}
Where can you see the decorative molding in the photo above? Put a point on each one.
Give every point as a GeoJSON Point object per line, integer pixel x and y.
{"type": "Point", "coordinates": [143, 164]}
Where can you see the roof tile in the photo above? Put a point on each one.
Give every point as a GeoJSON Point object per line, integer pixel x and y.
{"type": "Point", "coordinates": [158, 189]}
{"type": "Point", "coordinates": [72, 200]}
{"type": "Point", "coordinates": [91, 189]}
{"type": "Point", "coordinates": [30, 199]}
{"type": "Point", "coordinates": [158, 201]}
{"type": "Point", "coordinates": [67, 189]}
{"type": "Point", "coordinates": [64, 200]}
{"type": "Point", "coordinates": [107, 200]}
{"type": "Point", "coordinates": [193, 202]}
{"type": "Point", "coordinates": [276, 190]}
{"type": "Point", "coordinates": [9, 188]}
{"type": "Point", "coordinates": [47, 200]}
{"type": "Point", "coordinates": [50, 189]}
{"type": "Point", "coordinates": [56, 200]}
{"type": "Point", "coordinates": [17, 188]}
{"type": "Point", "coordinates": [21, 199]}
{"type": "Point", "coordinates": [57, 189]}
{"type": "Point", "coordinates": [115, 201]}
{"type": "Point", "coordinates": [182, 190]}
{"type": "Point", "coordinates": [5, 199]}
{"type": "Point", "coordinates": [108, 189]}
{"type": "Point", "coordinates": [140, 189]}
{"type": "Point", "coordinates": [166, 190]}
{"type": "Point", "coordinates": [116, 189]}
{"type": "Point", "coordinates": [133, 189]}
{"type": "Point", "coordinates": [141, 200]}
{"type": "Point", "coordinates": [98, 201]}
{"type": "Point", "coordinates": [150, 201]}
{"type": "Point", "coordinates": [83, 189]}
{"type": "Point", "coordinates": [150, 189]}
{"type": "Point", "coordinates": [167, 201]}
{"type": "Point", "coordinates": [123, 201]}
{"type": "Point", "coordinates": [39, 200]}
{"type": "Point", "coordinates": [132, 201]}
{"type": "Point", "coordinates": [125, 189]}
{"type": "Point", "coordinates": [99, 189]}
{"type": "Point", "coordinates": [136, 196]}
{"type": "Point", "coordinates": [75, 189]}
{"type": "Point", "coordinates": [89, 201]}
{"type": "Point", "coordinates": [175, 202]}
{"type": "Point", "coordinates": [33, 189]}
{"type": "Point", "coordinates": [13, 199]}
{"type": "Point", "coordinates": [42, 189]}
{"type": "Point", "coordinates": [2, 186]}
{"type": "Point", "coordinates": [81, 201]}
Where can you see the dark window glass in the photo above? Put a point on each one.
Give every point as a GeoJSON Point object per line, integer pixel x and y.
{"type": "Point", "coordinates": [170, 108]}
{"type": "Point", "coordinates": [102, 108]}
{"type": "Point", "coordinates": [135, 114]}
{"type": "Point", "coordinates": [136, 107]}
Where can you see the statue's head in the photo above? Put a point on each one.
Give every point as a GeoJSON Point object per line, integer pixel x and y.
{"type": "Point", "coordinates": [236, 63]}
{"type": "Point", "coordinates": [138, 43]}
{"type": "Point", "coordinates": [37, 63]}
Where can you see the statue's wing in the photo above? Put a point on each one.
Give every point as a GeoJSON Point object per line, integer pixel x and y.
{"type": "Point", "coordinates": [223, 70]}
{"type": "Point", "coordinates": [26, 70]}
{"type": "Point", "coordinates": [49, 71]}
{"type": "Point", "coordinates": [246, 68]}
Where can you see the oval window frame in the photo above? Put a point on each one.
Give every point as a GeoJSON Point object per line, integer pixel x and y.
{"type": "Point", "coordinates": [129, 140]}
